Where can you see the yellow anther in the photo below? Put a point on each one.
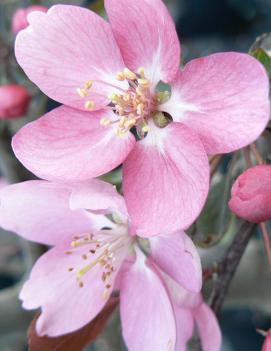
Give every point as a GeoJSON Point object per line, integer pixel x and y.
{"type": "Point", "coordinates": [113, 97]}
{"type": "Point", "coordinates": [126, 97]}
{"type": "Point", "coordinates": [145, 128]}
{"type": "Point", "coordinates": [120, 76]}
{"type": "Point", "coordinates": [82, 92]}
{"type": "Point", "coordinates": [145, 83]}
{"type": "Point", "coordinates": [129, 124]}
{"type": "Point", "coordinates": [120, 110]}
{"type": "Point", "coordinates": [105, 121]}
{"type": "Point", "coordinates": [141, 72]}
{"type": "Point", "coordinates": [89, 105]}
{"type": "Point", "coordinates": [122, 121]}
{"type": "Point", "coordinates": [129, 74]}
{"type": "Point", "coordinates": [119, 132]}
{"type": "Point", "coordinates": [88, 84]}
{"type": "Point", "coordinates": [140, 109]}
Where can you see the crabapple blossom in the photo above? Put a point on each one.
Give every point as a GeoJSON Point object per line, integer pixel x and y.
{"type": "Point", "coordinates": [108, 75]}
{"type": "Point", "coordinates": [95, 252]}
{"type": "Point", "coordinates": [267, 342]}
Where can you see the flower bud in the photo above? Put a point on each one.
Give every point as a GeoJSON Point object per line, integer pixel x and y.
{"type": "Point", "coordinates": [251, 194]}
{"type": "Point", "coordinates": [19, 20]}
{"type": "Point", "coordinates": [14, 101]}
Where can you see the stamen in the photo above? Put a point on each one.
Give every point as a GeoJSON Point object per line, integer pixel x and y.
{"type": "Point", "coordinates": [120, 76]}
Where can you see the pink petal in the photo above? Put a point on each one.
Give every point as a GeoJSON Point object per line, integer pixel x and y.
{"type": "Point", "coordinates": [39, 211]}
{"type": "Point", "coordinates": [19, 19]}
{"type": "Point", "coordinates": [251, 194]}
{"type": "Point", "coordinates": [65, 305]}
{"type": "Point", "coordinates": [99, 197]}
{"type": "Point", "coordinates": [63, 49]}
{"type": "Point", "coordinates": [224, 98]}
{"type": "Point", "coordinates": [208, 328]}
{"type": "Point", "coordinates": [177, 256]}
{"type": "Point", "coordinates": [166, 180]}
{"type": "Point", "coordinates": [70, 145]}
{"type": "Point", "coordinates": [267, 342]}
{"type": "Point", "coordinates": [146, 35]}
{"type": "Point", "coordinates": [146, 312]}
{"type": "Point", "coordinates": [185, 327]}
{"type": "Point", "coordinates": [180, 296]}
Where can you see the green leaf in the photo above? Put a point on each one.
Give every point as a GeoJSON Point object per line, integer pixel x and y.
{"type": "Point", "coordinates": [261, 50]}
{"type": "Point", "coordinates": [261, 55]}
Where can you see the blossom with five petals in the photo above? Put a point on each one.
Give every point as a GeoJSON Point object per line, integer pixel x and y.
{"type": "Point", "coordinates": [95, 254]}
{"type": "Point", "coordinates": [107, 75]}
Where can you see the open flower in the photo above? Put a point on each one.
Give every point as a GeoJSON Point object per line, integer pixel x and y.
{"type": "Point", "coordinates": [14, 101]}
{"type": "Point", "coordinates": [19, 19]}
{"type": "Point", "coordinates": [94, 255]}
{"type": "Point", "coordinates": [108, 77]}
{"type": "Point", "coordinates": [251, 194]}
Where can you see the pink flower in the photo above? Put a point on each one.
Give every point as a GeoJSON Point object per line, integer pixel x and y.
{"type": "Point", "coordinates": [107, 76]}
{"type": "Point", "coordinates": [92, 256]}
{"type": "Point", "coordinates": [19, 19]}
{"type": "Point", "coordinates": [267, 342]}
{"type": "Point", "coordinates": [251, 194]}
{"type": "Point", "coordinates": [14, 101]}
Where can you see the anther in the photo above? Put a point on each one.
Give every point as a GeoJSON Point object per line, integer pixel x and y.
{"type": "Point", "coordinates": [70, 269]}
{"type": "Point", "coordinates": [88, 84]}
{"type": "Point", "coordinates": [81, 284]}
{"type": "Point", "coordinates": [145, 83]}
{"type": "Point", "coordinates": [145, 128]}
{"type": "Point", "coordinates": [141, 72]}
{"type": "Point", "coordinates": [120, 76]}
{"type": "Point", "coordinates": [89, 105]}
{"type": "Point", "coordinates": [82, 92]}
{"type": "Point", "coordinates": [84, 257]}
{"type": "Point", "coordinates": [129, 74]}
{"type": "Point", "coordinates": [68, 252]}
{"type": "Point", "coordinates": [105, 121]}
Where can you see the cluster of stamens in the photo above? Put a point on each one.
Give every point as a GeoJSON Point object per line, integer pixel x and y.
{"type": "Point", "coordinates": [132, 107]}
{"type": "Point", "coordinates": [98, 252]}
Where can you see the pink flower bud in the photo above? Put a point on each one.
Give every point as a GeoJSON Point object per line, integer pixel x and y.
{"type": "Point", "coordinates": [251, 194]}
{"type": "Point", "coordinates": [19, 20]}
{"type": "Point", "coordinates": [14, 101]}
{"type": "Point", "coordinates": [267, 342]}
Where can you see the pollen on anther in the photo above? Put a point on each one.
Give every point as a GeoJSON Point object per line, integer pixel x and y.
{"type": "Point", "coordinates": [82, 92]}
{"type": "Point", "coordinates": [129, 74]}
{"type": "Point", "coordinates": [89, 105]}
{"type": "Point", "coordinates": [105, 121]}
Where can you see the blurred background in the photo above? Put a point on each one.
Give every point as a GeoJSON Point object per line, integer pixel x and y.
{"type": "Point", "coordinates": [204, 27]}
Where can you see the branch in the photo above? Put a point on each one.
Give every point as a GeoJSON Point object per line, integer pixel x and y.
{"type": "Point", "coordinates": [227, 267]}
